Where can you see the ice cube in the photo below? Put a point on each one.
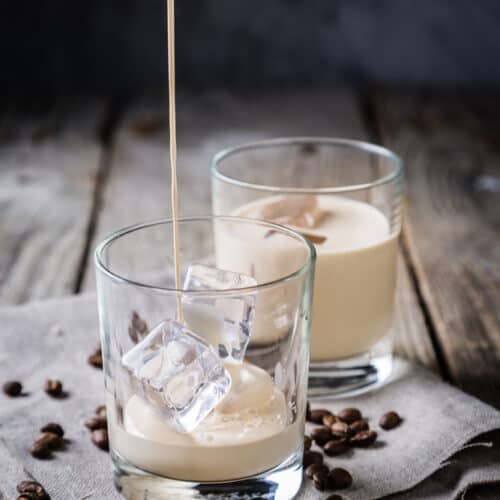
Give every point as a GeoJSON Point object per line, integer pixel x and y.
{"type": "Point", "coordinates": [224, 322]}
{"type": "Point", "coordinates": [178, 373]}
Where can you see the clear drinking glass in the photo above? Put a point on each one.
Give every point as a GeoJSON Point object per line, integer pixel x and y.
{"type": "Point", "coordinates": [345, 196]}
{"type": "Point", "coordinates": [205, 414]}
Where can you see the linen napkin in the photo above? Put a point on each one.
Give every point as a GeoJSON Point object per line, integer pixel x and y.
{"type": "Point", "coordinates": [425, 457]}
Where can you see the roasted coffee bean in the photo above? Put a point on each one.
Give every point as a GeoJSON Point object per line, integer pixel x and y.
{"type": "Point", "coordinates": [54, 388]}
{"type": "Point", "coordinates": [334, 497]}
{"type": "Point", "coordinates": [339, 429]}
{"type": "Point", "coordinates": [320, 480]}
{"type": "Point", "coordinates": [100, 438]}
{"type": "Point", "coordinates": [321, 435]}
{"type": "Point", "coordinates": [40, 450]}
{"type": "Point", "coordinates": [314, 468]}
{"type": "Point", "coordinates": [336, 447]}
{"type": "Point", "coordinates": [358, 426]}
{"type": "Point", "coordinates": [308, 411]}
{"type": "Point", "coordinates": [329, 420]}
{"type": "Point", "coordinates": [307, 443]}
{"type": "Point", "coordinates": [50, 440]}
{"type": "Point", "coordinates": [350, 415]}
{"type": "Point", "coordinates": [33, 489]}
{"type": "Point", "coordinates": [363, 439]}
{"type": "Point", "coordinates": [53, 428]}
{"type": "Point", "coordinates": [389, 420]}
{"type": "Point", "coordinates": [101, 410]}
{"type": "Point", "coordinates": [95, 359]}
{"type": "Point", "coordinates": [338, 479]}
{"type": "Point", "coordinates": [12, 388]}
{"type": "Point", "coordinates": [312, 457]}
{"type": "Point", "coordinates": [316, 416]}
{"type": "Point", "coordinates": [138, 328]}
{"type": "Point", "coordinates": [96, 422]}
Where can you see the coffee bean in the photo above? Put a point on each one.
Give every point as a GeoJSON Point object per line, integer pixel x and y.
{"type": "Point", "coordinates": [101, 410]}
{"type": "Point", "coordinates": [334, 497]}
{"type": "Point", "coordinates": [312, 457]}
{"type": "Point", "coordinates": [339, 429]}
{"type": "Point", "coordinates": [100, 438]}
{"type": "Point", "coordinates": [53, 428]}
{"type": "Point", "coordinates": [138, 328]}
{"type": "Point", "coordinates": [312, 469]}
{"type": "Point", "coordinates": [50, 440]}
{"type": "Point", "coordinates": [54, 388]}
{"type": "Point", "coordinates": [308, 411]}
{"type": "Point", "coordinates": [320, 435]}
{"type": "Point", "coordinates": [363, 439]}
{"type": "Point", "coordinates": [95, 359]}
{"type": "Point", "coordinates": [316, 416]}
{"type": "Point", "coordinates": [307, 443]}
{"type": "Point", "coordinates": [40, 450]}
{"type": "Point", "coordinates": [33, 490]}
{"type": "Point", "coordinates": [329, 420]}
{"type": "Point", "coordinates": [389, 420]}
{"type": "Point", "coordinates": [337, 447]}
{"type": "Point", "coordinates": [12, 388]}
{"type": "Point", "coordinates": [350, 415]}
{"type": "Point", "coordinates": [320, 480]}
{"type": "Point", "coordinates": [96, 422]}
{"type": "Point", "coordinates": [358, 426]}
{"type": "Point", "coordinates": [338, 479]}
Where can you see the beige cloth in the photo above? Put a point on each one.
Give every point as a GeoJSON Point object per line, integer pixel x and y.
{"type": "Point", "coordinates": [53, 339]}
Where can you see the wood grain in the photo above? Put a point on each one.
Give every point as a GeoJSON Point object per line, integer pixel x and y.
{"type": "Point", "coordinates": [49, 159]}
{"type": "Point", "coordinates": [452, 224]}
{"type": "Point", "coordinates": [138, 185]}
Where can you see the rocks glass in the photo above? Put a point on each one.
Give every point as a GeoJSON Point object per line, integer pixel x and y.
{"type": "Point", "coordinates": [345, 197]}
{"type": "Point", "coordinates": [193, 408]}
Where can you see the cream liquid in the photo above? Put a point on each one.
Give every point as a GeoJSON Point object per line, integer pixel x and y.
{"type": "Point", "coordinates": [355, 278]}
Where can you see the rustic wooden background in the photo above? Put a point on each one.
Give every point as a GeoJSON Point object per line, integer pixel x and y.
{"type": "Point", "coordinates": [72, 171]}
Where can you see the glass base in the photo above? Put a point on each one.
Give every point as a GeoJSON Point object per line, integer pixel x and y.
{"type": "Point", "coordinates": [280, 483]}
{"type": "Point", "coordinates": [348, 377]}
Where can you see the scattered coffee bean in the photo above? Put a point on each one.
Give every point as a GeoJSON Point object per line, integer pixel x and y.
{"type": "Point", "coordinates": [320, 480]}
{"type": "Point", "coordinates": [12, 388]}
{"type": "Point", "coordinates": [363, 439]}
{"type": "Point", "coordinates": [338, 479]}
{"type": "Point", "coordinates": [138, 328]}
{"type": "Point", "coordinates": [40, 450]}
{"type": "Point", "coordinates": [100, 438]}
{"type": "Point", "coordinates": [329, 420]}
{"type": "Point", "coordinates": [358, 426]}
{"type": "Point", "coordinates": [101, 410]}
{"type": "Point", "coordinates": [350, 415]}
{"type": "Point", "coordinates": [340, 429]}
{"type": "Point", "coordinates": [96, 422]}
{"type": "Point", "coordinates": [389, 420]}
{"type": "Point", "coordinates": [307, 443]}
{"type": "Point", "coordinates": [53, 428]}
{"type": "Point", "coordinates": [316, 416]}
{"type": "Point", "coordinates": [312, 469]}
{"type": "Point", "coordinates": [54, 388]}
{"type": "Point", "coordinates": [312, 457]}
{"type": "Point", "coordinates": [50, 440]}
{"type": "Point", "coordinates": [95, 359]}
{"type": "Point", "coordinates": [336, 447]}
{"type": "Point", "coordinates": [334, 497]}
{"type": "Point", "coordinates": [33, 490]}
{"type": "Point", "coordinates": [321, 435]}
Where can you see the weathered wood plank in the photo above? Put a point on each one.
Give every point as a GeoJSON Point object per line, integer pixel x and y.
{"type": "Point", "coordinates": [452, 232]}
{"type": "Point", "coordinates": [138, 186]}
{"type": "Point", "coordinates": [49, 159]}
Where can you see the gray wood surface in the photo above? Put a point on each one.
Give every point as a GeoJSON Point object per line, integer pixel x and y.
{"type": "Point", "coordinates": [49, 160]}
{"type": "Point", "coordinates": [452, 237]}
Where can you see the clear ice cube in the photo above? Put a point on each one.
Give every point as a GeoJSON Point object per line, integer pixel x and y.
{"type": "Point", "coordinates": [178, 373]}
{"type": "Point", "coordinates": [224, 322]}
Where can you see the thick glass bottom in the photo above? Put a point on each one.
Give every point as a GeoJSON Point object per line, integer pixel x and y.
{"type": "Point", "coordinates": [280, 483]}
{"type": "Point", "coordinates": [351, 376]}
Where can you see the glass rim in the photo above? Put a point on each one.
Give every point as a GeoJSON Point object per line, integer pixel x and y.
{"type": "Point", "coordinates": [369, 147]}
{"type": "Point", "coordinates": [108, 241]}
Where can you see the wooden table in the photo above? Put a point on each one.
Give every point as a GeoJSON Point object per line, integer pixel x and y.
{"type": "Point", "coordinates": [72, 171]}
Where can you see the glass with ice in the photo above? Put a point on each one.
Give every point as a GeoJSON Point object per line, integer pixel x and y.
{"type": "Point", "coordinates": [191, 404]}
